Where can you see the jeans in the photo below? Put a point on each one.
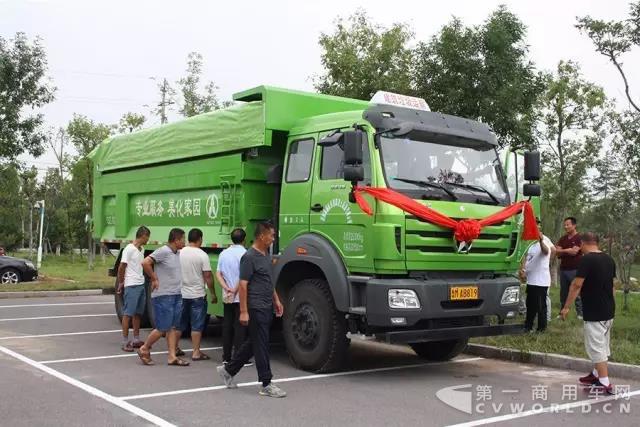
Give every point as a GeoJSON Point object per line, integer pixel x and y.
{"type": "Point", "coordinates": [536, 306]}
{"type": "Point", "coordinates": [167, 312]}
{"type": "Point", "coordinates": [194, 314]}
{"type": "Point", "coordinates": [566, 277]}
{"type": "Point", "coordinates": [233, 333]}
{"type": "Point", "coordinates": [256, 346]}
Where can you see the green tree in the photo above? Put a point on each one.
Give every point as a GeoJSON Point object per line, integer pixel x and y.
{"type": "Point", "coordinates": [572, 128]}
{"type": "Point", "coordinates": [23, 88]}
{"type": "Point", "coordinates": [361, 57]}
{"type": "Point", "coordinates": [131, 122]}
{"type": "Point", "coordinates": [613, 39]}
{"type": "Point", "coordinates": [614, 213]}
{"type": "Point", "coordinates": [194, 102]}
{"type": "Point", "coordinates": [11, 228]}
{"type": "Point", "coordinates": [483, 73]}
{"type": "Point", "coordinates": [85, 135]}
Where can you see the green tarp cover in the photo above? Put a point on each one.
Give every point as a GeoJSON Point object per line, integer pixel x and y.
{"type": "Point", "coordinates": [235, 128]}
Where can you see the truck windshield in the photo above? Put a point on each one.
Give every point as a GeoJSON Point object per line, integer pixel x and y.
{"type": "Point", "coordinates": [471, 173]}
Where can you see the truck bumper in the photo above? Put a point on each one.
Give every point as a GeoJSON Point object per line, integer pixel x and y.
{"type": "Point", "coordinates": [403, 337]}
{"type": "Point", "coordinates": [436, 310]}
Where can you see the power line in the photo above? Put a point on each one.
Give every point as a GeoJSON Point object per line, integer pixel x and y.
{"type": "Point", "coordinates": [99, 74]}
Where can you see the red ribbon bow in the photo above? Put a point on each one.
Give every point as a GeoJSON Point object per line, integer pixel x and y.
{"type": "Point", "coordinates": [466, 230]}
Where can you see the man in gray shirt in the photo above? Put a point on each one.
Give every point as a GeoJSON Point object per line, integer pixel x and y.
{"type": "Point", "coordinates": [163, 267]}
{"type": "Point", "coordinates": [258, 299]}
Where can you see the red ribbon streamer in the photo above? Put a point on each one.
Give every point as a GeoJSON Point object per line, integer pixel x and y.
{"type": "Point", "coordinates": [465, 230]}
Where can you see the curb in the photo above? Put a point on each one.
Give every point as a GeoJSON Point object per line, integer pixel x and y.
{"type": "Point", "coordinates": [619, 370]}
{"type": "Point", "coordinates": [45, 294]}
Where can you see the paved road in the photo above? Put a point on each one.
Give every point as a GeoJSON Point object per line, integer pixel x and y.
{"type": "Point", "coordinates": [60, 364]}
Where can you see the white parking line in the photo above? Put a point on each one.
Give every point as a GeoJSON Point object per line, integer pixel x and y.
{"type": "Point", "coordinates": [58, 317]}
{"type": "Point", "coordinates": [548, 409]}
{"type": "Point", "coordinates": [63, 334]}
{"type": "Point", "coordinates": [58, 304]}
{"type": "Point", "coordinates": [89, 389]}
{"type": "Point", "coordinates": [116, 356]}
{"type": "Point", "coordinates": [301, 378]}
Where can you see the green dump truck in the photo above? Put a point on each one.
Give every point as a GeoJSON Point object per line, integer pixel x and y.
{"type": "Point", "coordinates": [292, 158]}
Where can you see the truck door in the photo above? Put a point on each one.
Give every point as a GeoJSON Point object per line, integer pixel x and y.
{"type": "Point", "coordinates": [333, 216]}
{"type": "Point", "coordinates": [296, 188]}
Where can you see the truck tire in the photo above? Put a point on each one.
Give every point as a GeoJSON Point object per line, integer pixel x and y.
{"type": "Point", "coordinates": [315, 332]}
{"type": "Point", "coordinates": [146, 321]}
{"type": "Point", "coordinates": [439, 350]}
{"type": "Point", "coordinates": [119, 301]}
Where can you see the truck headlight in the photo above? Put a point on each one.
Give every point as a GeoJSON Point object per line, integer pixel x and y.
{"type": "Point", "coordinates": [511, 295]}
{"type": "Point", "coordinates": [403, 298]}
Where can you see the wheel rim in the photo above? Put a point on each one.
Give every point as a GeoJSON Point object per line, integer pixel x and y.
{"type": "Point", "coordinates": [9, 277]}
{"type": "Point", "coordinates": [306, 327]}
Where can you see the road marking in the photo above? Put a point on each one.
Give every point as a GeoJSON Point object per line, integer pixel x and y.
{"type": "Point", "coordinates": [549, 409]}
{"type": "Point", "coordinates": [64, 334]}
{"type": "Point", "coordinates": [301, 378]}
{"type": "Point", "coordinates": [58, 317]}
{"type": "Point", "coordinates": [116, 356]}
{"type": "Point", "coordinates": [58, 304]}
{"type": "Point", "coordinates": [89, 389]}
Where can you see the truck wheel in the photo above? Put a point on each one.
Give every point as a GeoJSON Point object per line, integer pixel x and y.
{"type": "Point", "coordinates": [439, 350]}
{"type": "Point", "coordinates": [314, 331]}
{"type": "Point", "coordinates": [119, 300]}
{"type": "Point", "coordinates": [148, 320]}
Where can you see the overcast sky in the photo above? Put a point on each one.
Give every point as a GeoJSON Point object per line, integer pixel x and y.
{"type": "Point", "coordinates": [102, 55]}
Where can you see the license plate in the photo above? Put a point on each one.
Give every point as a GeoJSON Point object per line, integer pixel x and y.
{"type": "Point", "coordinates": [463, 292]}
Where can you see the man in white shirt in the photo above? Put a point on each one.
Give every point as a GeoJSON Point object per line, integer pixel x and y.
{"type": "Point", "coordinates": [131, 281]}
{"type": "Point", "coordinates": [196, 271]}
{"type": "Point", "coordinates": [535, 269]}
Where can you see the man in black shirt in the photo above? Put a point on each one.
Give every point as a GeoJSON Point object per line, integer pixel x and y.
{"type": "Point", "coordinates": [258, 299]}
{"type": "Point", "coordinates": [594, 283]}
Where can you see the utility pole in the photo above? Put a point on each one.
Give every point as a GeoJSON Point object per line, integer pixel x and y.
{"type": "Point", "coordinates": [166, 99]}
{"type": "Point", "coordinates": [40, 205]}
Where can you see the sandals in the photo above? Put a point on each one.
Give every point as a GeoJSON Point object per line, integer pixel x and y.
{"type": "Point", "coordinates": [202, 357]}
{"type": "Point", "coordinates": [128, 347]}
{"type": "Point", "coordinates": [178, 362]}
{"type": "Point", "coordinates": [145, 357]}
{"type": "Point", "coordinates": [179, 352]}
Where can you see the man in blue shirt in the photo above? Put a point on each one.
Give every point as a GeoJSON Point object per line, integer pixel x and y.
{"type": "Point", "coordinates": [228, 275]}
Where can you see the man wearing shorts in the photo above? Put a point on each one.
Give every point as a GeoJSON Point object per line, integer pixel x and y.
{"type": "Point", "coordinates": [163, 267]}
{"type": "Point", "coordinates": [196, 271]}
{"type": "Point", "coordinates": [131, 281]}
{"type": "Point", "coordinates": [594, 283]}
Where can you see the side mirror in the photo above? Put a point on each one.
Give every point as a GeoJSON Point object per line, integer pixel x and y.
{"type": "Point", "coordinates": [531, 190]}
{"type": "Point", "coordinates": [353, 173]}
{"type": "Point", "coordinates": [532, 166]}
{"type": "Point", "coordinates": [353, 148]}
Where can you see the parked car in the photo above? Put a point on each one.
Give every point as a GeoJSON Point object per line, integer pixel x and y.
{"type": "Point", "coordinates": [15, 270]}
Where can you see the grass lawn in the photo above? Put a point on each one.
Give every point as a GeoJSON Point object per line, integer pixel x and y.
{"type": "Point", "coordinates": [64, 273]}
{"type": "Point", "coordinates": [567, 337]}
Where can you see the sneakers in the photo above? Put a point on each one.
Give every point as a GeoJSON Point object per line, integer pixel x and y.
{"type": "Point", "coordinates": [599, 388]}
{"type": "Point", "coordinates": [272, 390]}
{"type": "Point", "coordinates": [588, 379]}
{"type": "Point", "coordinates": [249, 363]}
{"type": "Point", "coordinates": [226, 377]}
